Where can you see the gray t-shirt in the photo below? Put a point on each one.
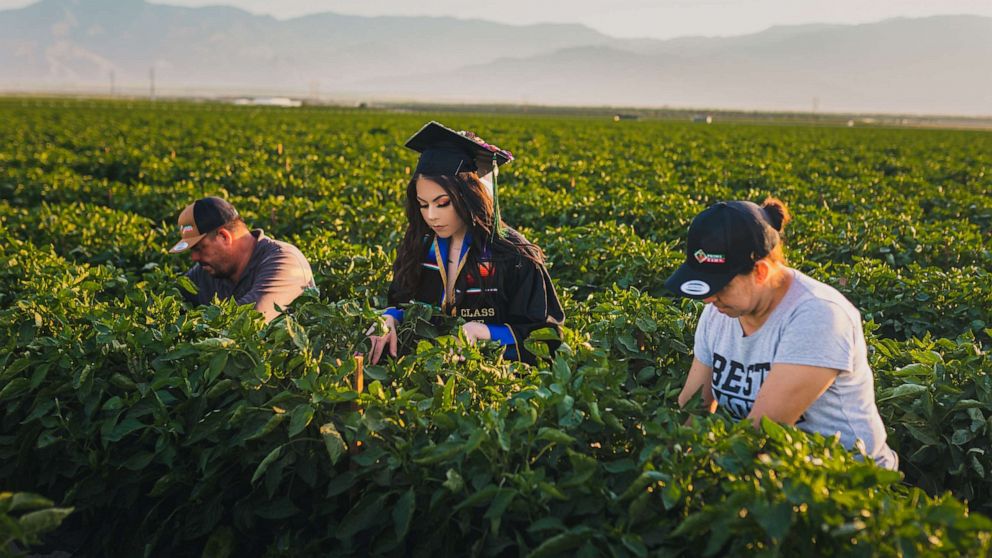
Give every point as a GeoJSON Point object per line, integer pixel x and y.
{"type": "Point", "coordinates": [276, 274]}
{"type": "Point", "coordinates": [812, 325]}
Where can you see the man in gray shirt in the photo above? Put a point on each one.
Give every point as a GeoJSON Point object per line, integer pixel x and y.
{"type": "Point", "coordinates": [232, 261]}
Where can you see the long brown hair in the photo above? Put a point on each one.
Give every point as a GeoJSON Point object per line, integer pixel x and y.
{"type": "Point", "coordinates": [474, 206]}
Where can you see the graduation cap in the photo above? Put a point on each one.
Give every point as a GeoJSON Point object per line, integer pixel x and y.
{"type": "Point", "coordinates": [445, 152]}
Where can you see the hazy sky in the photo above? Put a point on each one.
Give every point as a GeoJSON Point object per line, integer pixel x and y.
{"type": "Point", "coordinates": [620, 18]}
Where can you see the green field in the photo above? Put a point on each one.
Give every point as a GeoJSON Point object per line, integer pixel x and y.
{"type": "Point", "coordinates": [177, 431]}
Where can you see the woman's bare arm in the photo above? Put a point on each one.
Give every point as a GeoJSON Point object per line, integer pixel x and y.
{"type": "Point", "coordinates": [789, 390]}
{"type": "Point", "coordinates": [700, 377]}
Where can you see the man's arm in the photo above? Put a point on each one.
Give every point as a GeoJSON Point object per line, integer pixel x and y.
{"type": "Point", "coordinates": [280, 278]}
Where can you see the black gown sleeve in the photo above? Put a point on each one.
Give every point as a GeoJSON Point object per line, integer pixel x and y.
{"type": "Point", "coordinates": [393, 296]}
{"type": "Point", "coordinates": [531, 304]}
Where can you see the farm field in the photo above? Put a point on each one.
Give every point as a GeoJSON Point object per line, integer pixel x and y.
{"type": "Point", "coordinates": [178, 431]}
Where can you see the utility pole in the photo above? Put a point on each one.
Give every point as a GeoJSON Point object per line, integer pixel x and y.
{"type": "Point", "coordinates": [151, 82]}
{"type": "Point", "coordinates": [112, 84]}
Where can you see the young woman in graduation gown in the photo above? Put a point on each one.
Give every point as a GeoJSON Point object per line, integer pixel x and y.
{"type": "Point", "coordinates": [458, 255]}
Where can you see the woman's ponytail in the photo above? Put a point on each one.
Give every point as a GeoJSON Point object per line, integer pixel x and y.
{"type": "Point", "coordinates": [777, 214]}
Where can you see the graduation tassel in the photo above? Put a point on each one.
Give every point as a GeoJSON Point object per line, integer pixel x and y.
{"type": "Point", "coordinates": [497, 217]}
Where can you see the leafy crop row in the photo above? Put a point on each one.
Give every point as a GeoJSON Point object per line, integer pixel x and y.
{"type": "Point", "coordinates": [178, 431]}
{"type": "Point", "coordinates": [154, 421]}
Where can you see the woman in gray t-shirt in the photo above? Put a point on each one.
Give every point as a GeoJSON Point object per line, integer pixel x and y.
{"type": "Point", "coordinates": [772, 342]}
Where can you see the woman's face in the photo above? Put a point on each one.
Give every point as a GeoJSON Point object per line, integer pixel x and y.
{"type": "Point", "coordinates": [437, 209]}
{"type": "Point", "coordinates": [736, 298]}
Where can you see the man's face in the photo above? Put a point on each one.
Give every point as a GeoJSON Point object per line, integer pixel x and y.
{"type": "Point", "coordinates": [213, 255]}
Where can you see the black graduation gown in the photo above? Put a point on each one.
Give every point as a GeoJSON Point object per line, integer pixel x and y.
{"type": "Point", "coordinates": [515, 296]}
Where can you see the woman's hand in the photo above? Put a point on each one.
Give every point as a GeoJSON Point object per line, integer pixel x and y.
{"type": "Point", "coordinates": [474, 331]}
{"type": "Point", "coordinates": [379, 342]}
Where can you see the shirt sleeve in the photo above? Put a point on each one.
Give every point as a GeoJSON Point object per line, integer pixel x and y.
{"type": "Point", "coordinates": [282, 276]}
{"type": "Point", "coordinates": [818, 333]}
{"type": "Point", "coordinates": [702, 345]}
{"type": "Point", "coordinates": [396, 313]}
{"type": "Point", "coordinates": [502, 334]}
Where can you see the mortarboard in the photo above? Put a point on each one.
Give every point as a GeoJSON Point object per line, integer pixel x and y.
{"type": "Point", "coordinates": [445, 152]}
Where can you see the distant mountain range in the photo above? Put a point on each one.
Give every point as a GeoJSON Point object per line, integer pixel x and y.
{"type": "Point", "coordinates": [936, 65]}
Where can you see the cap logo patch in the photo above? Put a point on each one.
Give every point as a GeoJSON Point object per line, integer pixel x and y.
{"type": "Point", "coordinates": [185, 229]}
{"type": "Point", "coordinates": [695, 288]}
{"type": "Point", "coordinates": [703, 257]}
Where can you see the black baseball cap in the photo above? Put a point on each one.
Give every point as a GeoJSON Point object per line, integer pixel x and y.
{"type": "Point", "coordinates": [445, 152]}
{"type": "Point", "coordinates": [724, 240]}
{"type": "Point", "coordinates": [201, 218]}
